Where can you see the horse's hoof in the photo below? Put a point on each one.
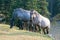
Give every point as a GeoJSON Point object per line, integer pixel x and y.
{"type": "Point", "coordinates": [10, 27]}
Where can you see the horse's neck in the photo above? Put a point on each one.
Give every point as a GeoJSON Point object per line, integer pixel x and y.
{"type": "Point", "coordinates": [42, 17]}
{"type": "Point", "coordinates": [24, 10]}
{"type": "Point", "coordinates": [39, 15]}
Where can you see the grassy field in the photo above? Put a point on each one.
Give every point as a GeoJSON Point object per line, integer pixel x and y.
{"type": "Point", "coordinates": [14, 34]}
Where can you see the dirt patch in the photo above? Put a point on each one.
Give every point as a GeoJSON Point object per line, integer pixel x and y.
{"type": "Point", "coordinates": [21, 37]}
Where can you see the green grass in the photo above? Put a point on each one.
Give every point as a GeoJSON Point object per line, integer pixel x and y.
{"type": "Point", "coordinates": [5, 30]}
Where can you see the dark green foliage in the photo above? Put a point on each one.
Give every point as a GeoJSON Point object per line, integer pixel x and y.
{"type": "Point", "coordinates": [42, 6]}
{"type": "Point", "coordinates": [54, 7]}
{"type": "Point", "coordinates": [7, 7]}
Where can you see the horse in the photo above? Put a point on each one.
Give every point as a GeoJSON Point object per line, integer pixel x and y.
{"type": "Point", "coordinates": [41, 21]}
{"type": "Point", "coordinates": [21, 14]}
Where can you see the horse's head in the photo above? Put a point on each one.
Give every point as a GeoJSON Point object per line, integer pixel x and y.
{"type": "Point", "coordinates": [33, 14]}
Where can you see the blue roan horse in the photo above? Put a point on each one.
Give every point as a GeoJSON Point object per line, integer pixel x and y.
{"type": "Point", "coordinates": [21, 14]}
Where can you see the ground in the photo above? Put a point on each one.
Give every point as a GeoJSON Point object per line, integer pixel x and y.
{"type": "Point", "coordinates": [14, 34]}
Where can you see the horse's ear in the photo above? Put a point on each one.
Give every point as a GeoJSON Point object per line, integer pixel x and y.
{"type": "Point", "coordinates": [31, 11]}
{"type": "Point", "coordinates": [35, 12]}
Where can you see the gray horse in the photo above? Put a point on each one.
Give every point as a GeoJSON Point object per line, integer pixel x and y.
{"type": "Point", "coordinates": [41, 21]}
{"type": "Point", "coordinates": [22, 15]}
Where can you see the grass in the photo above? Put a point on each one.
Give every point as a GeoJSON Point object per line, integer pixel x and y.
{"type": "Point", "coordinates": [14, 34]}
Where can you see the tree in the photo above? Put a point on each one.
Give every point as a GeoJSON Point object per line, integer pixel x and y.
{"type": "Point", "coordinates": [7, 6]}
{"type": "Point", "coordinates": [57, 7]}
{"type": "Point", "coordinates": [43, 7]}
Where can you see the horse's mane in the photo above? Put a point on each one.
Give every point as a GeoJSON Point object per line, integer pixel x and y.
{"type": "Point", "coordinates": [37, 13]}
{"type": "Point", "coordinates": [20, 9]}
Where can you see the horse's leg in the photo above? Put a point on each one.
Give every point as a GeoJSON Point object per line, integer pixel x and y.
{"type": "Point", "coordinates": [24, 26]}
{"type": "Point", "coordinates": [44, 30]}
{"type": "Point", "coordinates": [11, 22]}
{"type": "Point", "coordinates": [18, 24]}
{"type": "Point", "coordinates": [30, 25]}
{"type": "Point", "coordinates": [21, 24]}
{"type": "Point", "coordinates": [39, 28]}
{"type": "Point", "coordinates": [27, 28]}
{"type": "Point", "coordinates": [34, 27]}
{"type": "Point", "coordinates": [47, 30]}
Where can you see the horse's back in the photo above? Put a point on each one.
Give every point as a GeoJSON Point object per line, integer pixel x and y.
{"type": "Point", "coordinates": [45, 22]}
{"type": "Point", "coordinates": [22, 14]}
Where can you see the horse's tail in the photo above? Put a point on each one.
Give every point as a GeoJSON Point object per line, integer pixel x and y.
{"type": "Point", "coordinates": [12, 20]}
